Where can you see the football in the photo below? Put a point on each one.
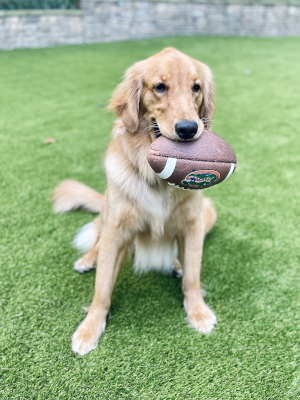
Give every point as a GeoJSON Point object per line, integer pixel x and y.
{"type": "Point", "coordinates": [196, 164]}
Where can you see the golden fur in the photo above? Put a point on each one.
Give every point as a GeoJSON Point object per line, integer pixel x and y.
{"type": "Point", "coordinates": [166, 225]}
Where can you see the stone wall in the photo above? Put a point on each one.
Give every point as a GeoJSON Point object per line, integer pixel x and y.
{"type": "Point", "coordinates": [40, 28]}
{"type": "Point", "coordinates": [104, 21]}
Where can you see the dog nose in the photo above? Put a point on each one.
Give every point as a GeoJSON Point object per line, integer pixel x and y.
{"type": "Point", "coordinates": [186, 129]}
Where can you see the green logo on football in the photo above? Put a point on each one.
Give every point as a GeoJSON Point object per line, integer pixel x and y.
{"type": "Point", "coordinates": [201, 178]}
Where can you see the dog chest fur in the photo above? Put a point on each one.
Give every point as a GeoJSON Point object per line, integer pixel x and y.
{"type": "Point", "coordinates": [155, 244]}
{"type": "Point", "coordinates": [154, 253]}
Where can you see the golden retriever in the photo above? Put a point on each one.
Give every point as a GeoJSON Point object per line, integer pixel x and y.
{"type": "Point", "coordinates": [168, 94]}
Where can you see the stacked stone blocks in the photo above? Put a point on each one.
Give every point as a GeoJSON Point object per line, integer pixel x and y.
{"type": "Point", "coordinates": [105, 21]}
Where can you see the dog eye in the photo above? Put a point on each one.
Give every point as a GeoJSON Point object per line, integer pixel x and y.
{"type": "Point", "coordinates": [196, 88]}
{"type": "Point", "coordinates": [161, 87]}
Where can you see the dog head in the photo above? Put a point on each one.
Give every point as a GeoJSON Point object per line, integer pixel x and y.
{"type": "Point", "coordinates": [170, 93]}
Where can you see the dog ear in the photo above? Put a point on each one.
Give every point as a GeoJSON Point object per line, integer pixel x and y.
{"type": "Point", "coordinates": [125, 100]}
{"type": "Point", "coordinates": [207, 106]}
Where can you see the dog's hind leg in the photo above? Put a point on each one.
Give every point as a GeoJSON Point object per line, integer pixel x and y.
{"type": "Point", "coordinates": [88, 261]}
{"type": "Point", "coordinates": [70, 195]}
{"type": "Point", "coordinates": [87, 236]}
{"type": "Point", "coordinates": [178, 262]}
{"type": "Point", "coordinates": [88, 239]}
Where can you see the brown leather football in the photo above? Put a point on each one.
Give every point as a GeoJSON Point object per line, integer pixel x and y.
{"type": "Point", "coordinates": [192, 165]}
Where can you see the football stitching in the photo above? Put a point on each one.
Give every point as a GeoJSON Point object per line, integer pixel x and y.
{"type": "Point", "coordinates": [189, 159]}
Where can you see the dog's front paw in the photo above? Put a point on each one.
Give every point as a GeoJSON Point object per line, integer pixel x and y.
{"type": "Point", "coordinates": [201, 318]}
{"type": "Point", "coordinates": [86, 337]}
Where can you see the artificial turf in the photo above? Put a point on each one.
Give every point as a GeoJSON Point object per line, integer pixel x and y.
{"type": "Point", "coordinates": [251, 258]}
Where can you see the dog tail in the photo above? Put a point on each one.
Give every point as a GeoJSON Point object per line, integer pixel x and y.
{"type": "Point", "coordinates": [209, 214]}
{"type": "Point", "coordinates": [87, 236]}
{"type": "Point", "coordinates": [71, 195]}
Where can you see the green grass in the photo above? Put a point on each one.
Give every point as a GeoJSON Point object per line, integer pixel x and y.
{"type": "Point", "coordinates": [251, 258]}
